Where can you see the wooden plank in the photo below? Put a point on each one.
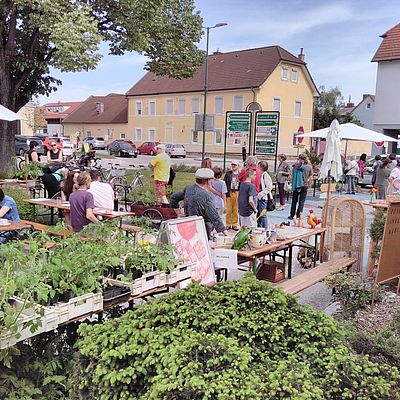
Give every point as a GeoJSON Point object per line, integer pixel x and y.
{"type": "Point", "coordinates": [314, 275]}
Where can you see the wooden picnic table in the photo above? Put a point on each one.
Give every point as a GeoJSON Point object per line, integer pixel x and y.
{"type": "Point", "coordinates": [64, 205]}
{"type": "Point", "coordinates": [14, 226]}
{"type": "Point", "coordinates": [287, 244]}
{"type": "Point", "coordinates": [376, 205]}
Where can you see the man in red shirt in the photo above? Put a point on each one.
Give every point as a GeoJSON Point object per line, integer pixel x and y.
{"type": "Point", "coordinates": [251, 162]}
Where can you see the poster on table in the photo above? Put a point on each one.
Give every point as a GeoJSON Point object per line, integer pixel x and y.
{"type": "Point", "coordinates": [189, 238]}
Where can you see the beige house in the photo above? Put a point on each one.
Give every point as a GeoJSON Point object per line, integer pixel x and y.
{"type": "Point", "coordinates": [103, 116]}
{"type": "Point", "coordinates": [163, 109]}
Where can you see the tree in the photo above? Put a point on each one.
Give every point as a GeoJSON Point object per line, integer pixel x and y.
{"type": "Point", "coordinates": [326, 109]}
{"type": "Point", "coordinates": [65, 34]}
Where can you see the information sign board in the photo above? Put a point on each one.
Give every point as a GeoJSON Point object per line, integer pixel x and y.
{"type": "Point", "coordinates": [266, 132]}
{"type": "Point", "coordinates": [238, 124]}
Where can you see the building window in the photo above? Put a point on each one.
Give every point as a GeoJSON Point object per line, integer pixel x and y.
{"type": "Point", "coordinates": [218, 136]}
{"type": "Point", "coordinates": [122, 135]}
{"type": "Point", "coordinates": [195, 137]}
{"type": "Point", "coordinates": [297, 109]}
{"type": "Point", "coordinates": [284, 73]}
{"type": "Point", "coordinates": [138, 108]}
{"type": "Point", "coordinates": [152, 134]}
{"type": "Point", "coordinates": [219, 105]}
{"type": "Point", "coordinates": [276, 105]}
{"type": "Point", "coordinates": [181, 106]}
{"type": "Point", "coordinates": [152, 107]}
{"type": "Point", "coordinates": [238, 103]}
{"type": "Point", "coordinates": [368, 106]}
{"type": "Point", "coordinates": [196, 105]}
{"type": "Point", "coordinates": [170, 107]}
{"type": "Point", "coordinates": [138, 134]}
{"type": "Point", "coordinates": [295, 75]}
{"type": "Point", "coordinates": [110, 132]}
{"type": "Point", "coordinates": [236, 142]}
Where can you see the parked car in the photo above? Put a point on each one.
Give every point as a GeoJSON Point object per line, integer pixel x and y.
{"type": "Point", "coordinates": [95, 142]}
{"type": "Point", "coordinates": [124, 140]}
{"type": "Point", "coordinates": [67, 146]}
{"type": "Point", "coordinates": [148, 148]}
{"type": "Point", "coordinates": [122, 149]}
{"type": "Point", "coordinates": [175, 150]}
{"type": "Point", "coordinates": [369, 170]}
{"type": "Point", "coordinates": [22, 144]}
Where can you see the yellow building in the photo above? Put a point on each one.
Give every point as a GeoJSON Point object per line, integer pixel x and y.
{"type": "Point", "coordinates": [163, 109]}
{"type": "Point", "coordinates": [102, 116]}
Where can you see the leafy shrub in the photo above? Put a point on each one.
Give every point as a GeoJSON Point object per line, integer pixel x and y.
{"type": "Point", "coordinates": [19, 195]}
{"type": "Point", "coordinates": [182, 167]}
{"type": "Point", "coordinates": [377, 225]}
{"type": "Point", "coordinates": [353, 292]}
{"type": "Point", "coordinates": [32, 170]}
{"type": "Point", "coordinates": [235, 340]}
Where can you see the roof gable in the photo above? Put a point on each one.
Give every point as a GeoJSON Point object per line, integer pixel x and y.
{"type": "Point", "coordinates": [389, 49]}
{"type": "Point", "coordinates": [111, 109]}
{"type": "Point", "coordinates": [226, 71]}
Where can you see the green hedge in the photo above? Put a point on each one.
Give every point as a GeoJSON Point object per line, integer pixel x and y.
{"type": "Point", "coordinates": [235, 340]}
{"type": "Point", "coordinates": [19, 195]}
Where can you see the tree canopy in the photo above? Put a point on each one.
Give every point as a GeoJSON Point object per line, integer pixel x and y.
{"type": "Point", "coordinates": [64, 34]}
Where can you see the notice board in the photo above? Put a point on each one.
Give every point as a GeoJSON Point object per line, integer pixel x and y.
{"type": "Point", "coordinates": [190, 241]}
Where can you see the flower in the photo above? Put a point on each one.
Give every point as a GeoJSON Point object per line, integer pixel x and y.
{"type": "Point", "coordinates": [373, 190]}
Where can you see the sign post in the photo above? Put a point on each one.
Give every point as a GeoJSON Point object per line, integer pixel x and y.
{"type": "Point", "coordinates": [237, 126]}
{"type": "Point", "coordinates": [267, 134]}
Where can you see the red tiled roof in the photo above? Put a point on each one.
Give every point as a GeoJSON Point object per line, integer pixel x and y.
{"type": "Point", "coordinates": [234, 70]}
{"type": "Point", "coordinates": [390, 47]}
{"type": "Point", "coordinates": [114, 110]}
{"type": "Point", "coordinates": [72, 106]}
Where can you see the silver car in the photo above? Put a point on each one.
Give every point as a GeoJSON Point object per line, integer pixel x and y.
{"type": "Point", "coordinates": [175, 150]}
{"type": "Point", "coordinates": [22, 144]}
{"type": "Point", "coordinates": [95, 142]}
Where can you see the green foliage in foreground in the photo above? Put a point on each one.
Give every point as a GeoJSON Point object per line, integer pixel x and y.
{"type": "Point", "coordinates": [236, 340]}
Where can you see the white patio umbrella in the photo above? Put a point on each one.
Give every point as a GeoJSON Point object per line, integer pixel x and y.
{"type": "Point", "coordinates": [351, 131]}
{"type": "Point", "coordinates": [332, 163]}
{"type": "Point", "coordinates": [8, 115]}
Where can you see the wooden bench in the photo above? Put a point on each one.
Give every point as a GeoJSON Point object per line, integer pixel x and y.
{"type": "Point", "coordinates": [315, 275]}
{"type": "Point", "coordinates": [46, 228]}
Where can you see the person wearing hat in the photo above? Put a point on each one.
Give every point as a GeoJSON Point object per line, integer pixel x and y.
{"type": "Point", "coordinates": [198, 201]}
{"type": "Point", "coordinates": [161, 165]}
{"type": "Point", "coordinates": [231, 179]}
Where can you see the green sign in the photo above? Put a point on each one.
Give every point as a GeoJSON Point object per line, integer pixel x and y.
{"type": "Point", "coordinates": [266, 131]}
{"type": "Point", "coordinates": [238, 124]}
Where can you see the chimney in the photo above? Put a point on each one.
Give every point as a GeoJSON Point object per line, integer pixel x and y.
{"type": "Point", "coordinates": [217, 52]}
{"type": "Point", "coordinates": [99, 107]}
{"type": "Point", "coordinates": [301, 55]}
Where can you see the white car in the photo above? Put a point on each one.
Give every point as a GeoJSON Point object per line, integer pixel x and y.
{"type": "Point", "coordinates": [68, 146]}
{"type": "Point", "coordinates": [175, 150]}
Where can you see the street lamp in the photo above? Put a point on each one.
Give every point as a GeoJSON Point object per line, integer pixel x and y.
{"type": "Point", "coordinates": [203, 149]}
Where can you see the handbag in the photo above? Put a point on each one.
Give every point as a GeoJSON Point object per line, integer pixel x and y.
{"type": "Point", "coordinates": [287, 187]}
{"type": "Point", "coordinates": [270, 203]}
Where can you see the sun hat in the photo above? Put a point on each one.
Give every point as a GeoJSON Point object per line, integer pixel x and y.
{"type": "Point", "coordinates": [204, 173]}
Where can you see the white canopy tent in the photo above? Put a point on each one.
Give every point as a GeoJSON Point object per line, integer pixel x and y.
{"type": "Point", "coordinates": [8, 115]}
{"type": "Point", "coordinates": [351, 131]}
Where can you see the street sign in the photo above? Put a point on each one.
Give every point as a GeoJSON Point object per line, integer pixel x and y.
{"type": "Point", "coordinates": [300, 131]}
{"type": "Point", "coordinates": [238, 124]}
{"type": "Point", "coordinates": [209, 122]}
{"type": "Point", "coordinates": [267, 130]}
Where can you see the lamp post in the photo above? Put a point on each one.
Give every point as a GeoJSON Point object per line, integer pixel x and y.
{"type": "Point", "coordinates": [203, 149]}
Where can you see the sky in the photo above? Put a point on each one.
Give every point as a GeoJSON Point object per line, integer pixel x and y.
{"type": "Point", "coordinates": [339, 40]}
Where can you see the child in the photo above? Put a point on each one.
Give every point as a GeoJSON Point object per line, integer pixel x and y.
{"type": "Point", "coordinates": [231, 179]}
{"type": "Point", "coordinates": [247, 205]}
{"type": "Point", "coordinates": [219, 199]}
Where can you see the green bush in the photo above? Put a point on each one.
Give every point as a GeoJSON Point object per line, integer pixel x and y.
{"type": "Point", "coordinates": [235, 340]}
{"type": "Point", "coordinates": [19, 195]}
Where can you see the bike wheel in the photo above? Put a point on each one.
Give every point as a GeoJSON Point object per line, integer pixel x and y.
{"type": "Point", "coordinates": [154, 215]}
{"type": "Point", "coordinates": [119, 185]}
{"type": "Point", "coordinates": [137, 182]}
{"type": "Point", "coordinates": [21, 163]}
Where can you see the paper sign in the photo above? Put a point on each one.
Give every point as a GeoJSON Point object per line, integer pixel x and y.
{"type": "Point", "coordinates": [225, 258]}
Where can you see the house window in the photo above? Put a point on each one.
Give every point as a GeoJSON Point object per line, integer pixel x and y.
{"type": "Point", "coordinates": [122, 135]}
{"type": "Point", "coordinates": [138, 134]}
{"type": "Point", "coordinates": [236, 142]}
{"type": "Point", "coordinates": [297, 109]}
{"type": "Point", "coordinates": [276, 105]}
{"type": "Point", "coordinates": [110, 132]}
{"type": "Point", "coordinates": [170, 107]}
{"type": "Point", "coordinates": [368, 106]}
{"type": "Point", "coordinates": [152, 107]}
{"type": "Point", "coordinates": [238, 103]}
{"type": "Point", "coordinates": [181, 106]}
{"type": "Point", "coordinates": [152, 134]}
{"type": "Point", "coordinates": [195, 137]}
{"type": "Point", "coordinates": [295, 75]}
{"type": "Point", "coordinates": [138, 108]}
{"type": "Point", "coordinates": [219, 105]}
{"type": "Point", "coordinates": [284, 73]}
{"type": "Point", "coordinates": [218, 136]}
{"type": "Point", "coordinates": [196, 105]}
